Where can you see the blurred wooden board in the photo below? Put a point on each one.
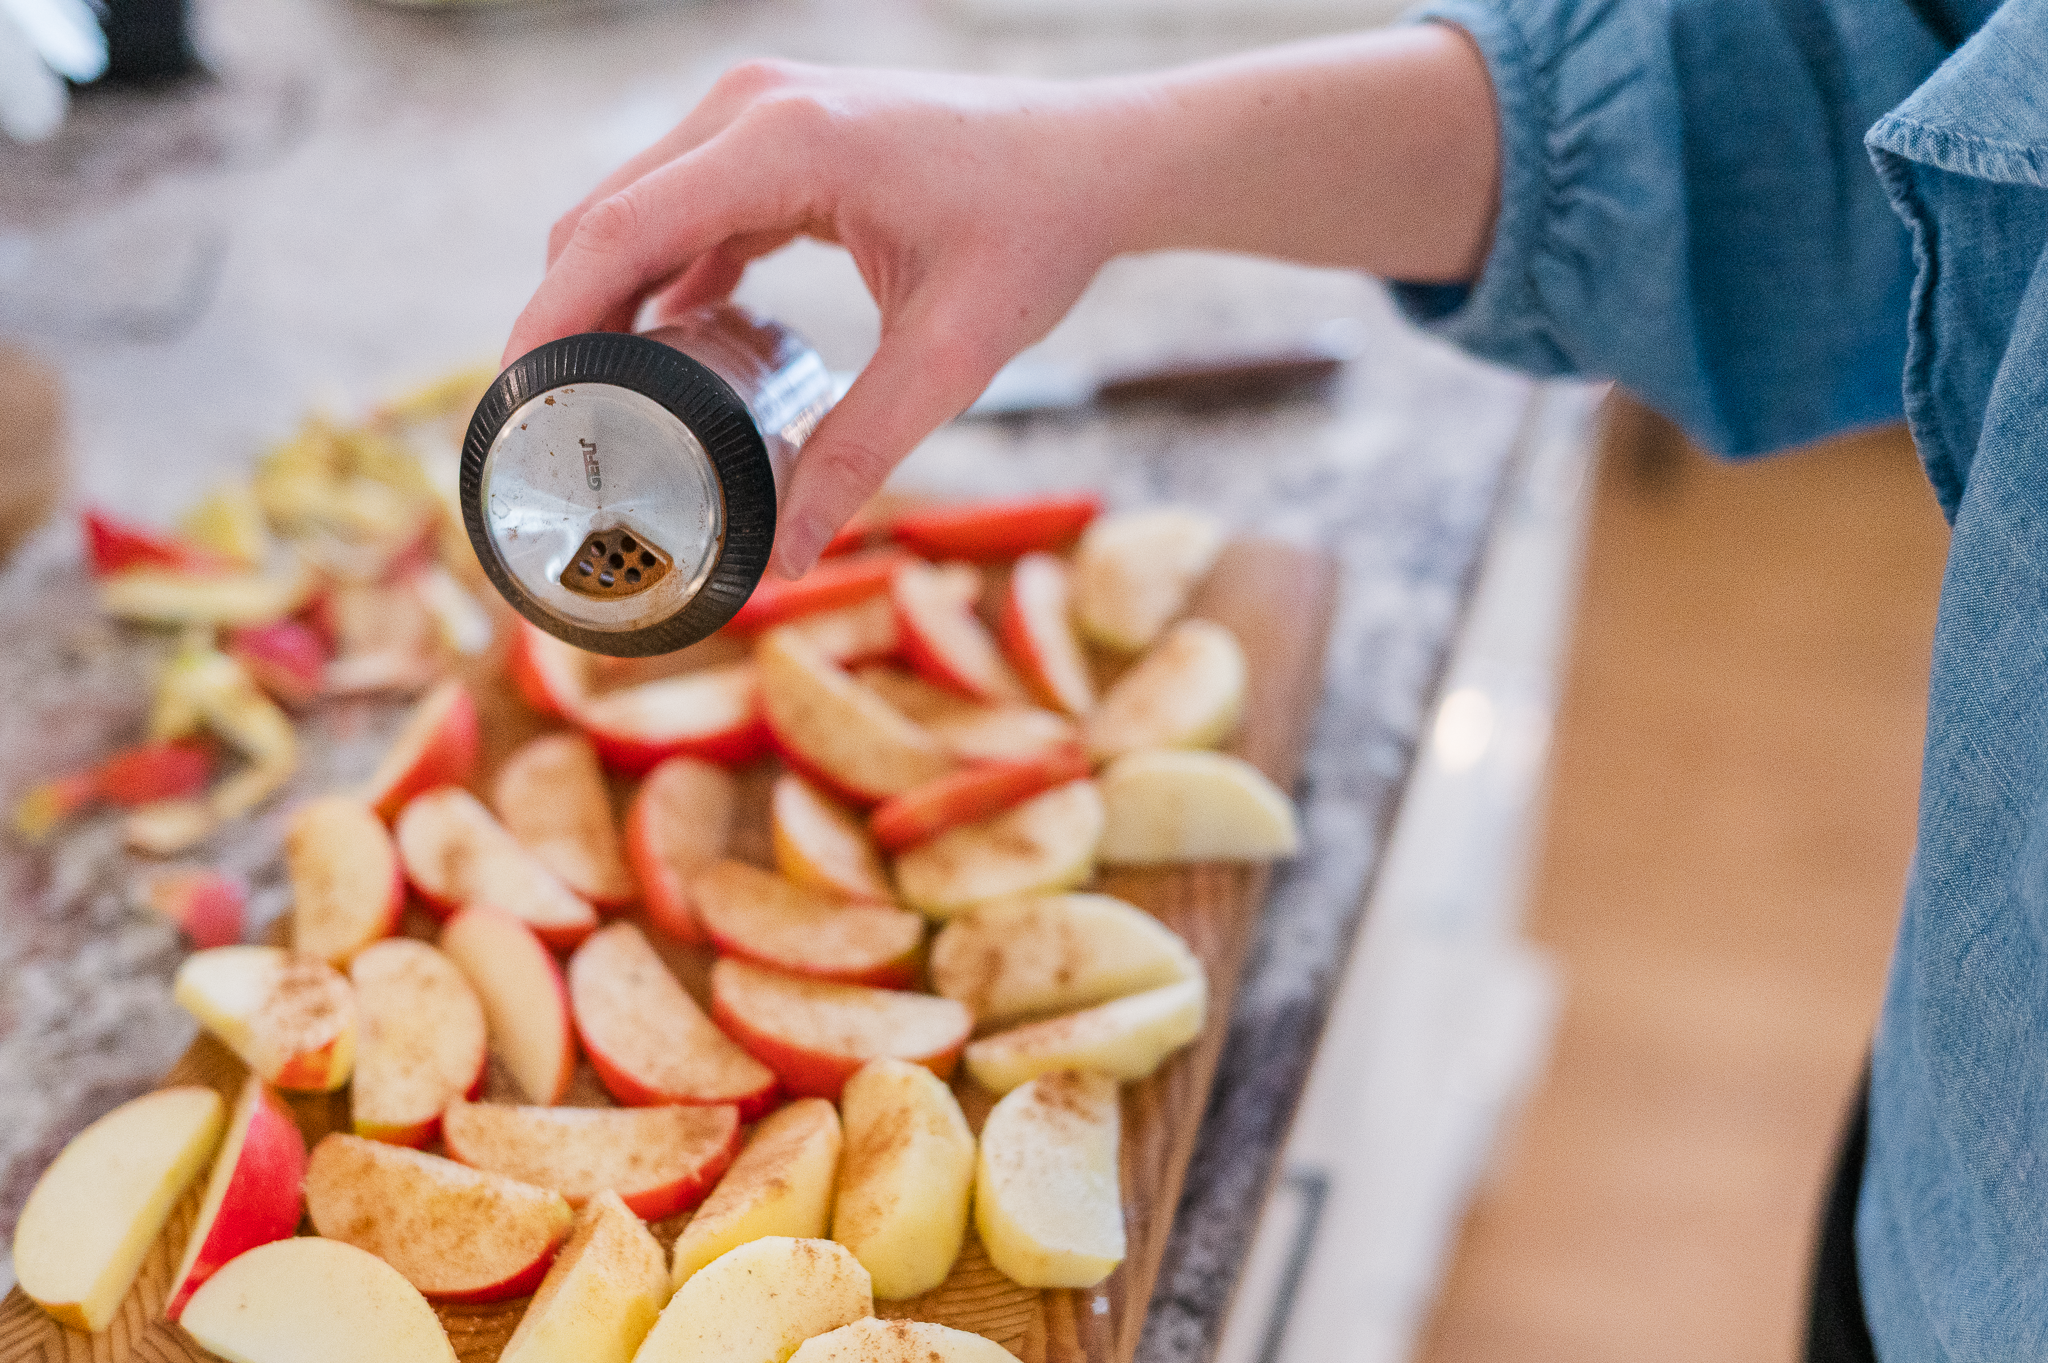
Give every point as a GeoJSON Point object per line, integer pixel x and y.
{"type": "Point", "coordinates": [1279, 601]}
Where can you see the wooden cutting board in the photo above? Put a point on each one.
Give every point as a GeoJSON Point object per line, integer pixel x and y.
{"type": "Point", "coordinates": [1278, 599]}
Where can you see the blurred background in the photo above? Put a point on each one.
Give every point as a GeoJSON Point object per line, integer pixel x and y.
{"type": "Point", "coordinates": [1587, 1063]}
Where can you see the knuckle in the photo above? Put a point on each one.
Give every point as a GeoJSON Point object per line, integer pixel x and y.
{"type": "Point", "coordinates": [610, 228]}
{"type": "Point", "coordinates": [755, 77]}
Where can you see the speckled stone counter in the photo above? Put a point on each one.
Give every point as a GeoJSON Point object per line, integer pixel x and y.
{"type": "Point", "coordinates": [359, 201]}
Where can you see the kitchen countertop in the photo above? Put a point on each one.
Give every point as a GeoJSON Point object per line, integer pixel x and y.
{"type": "Point", "coordinates": [358, 201]}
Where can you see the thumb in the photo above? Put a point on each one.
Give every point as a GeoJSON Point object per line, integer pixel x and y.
{"type": "Point", "coordinates": [923, 375]}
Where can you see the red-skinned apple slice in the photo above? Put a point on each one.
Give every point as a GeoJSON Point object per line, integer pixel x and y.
{"type": "Point", "coordinates": [347, 890]}
{"type": "Point", "coordinates": [815, 1034]}
{"type": "Point", "coordinates": [945, 641]}
{"type": "Point", "coordinates": [971, 795]}
{"type": "Point", "coordinates": [288, 659]}
{"type": "Point", "coordinates": [1047, 843]}
{"type": "Point", "coordinates": [853, 634]}
{"type": "Point", "coordinates": [680, 822]}
{"type": "Point", "coordinates": [1037, 628]}
{"type": "Point", "coordinates": [552, 676]}
{"type": "Point", "coordinates": [437, 747]}
{"type": "Point", "coordinates": [421, 1043]}
{"type": "Point", "coordinates": [551, 797]}
{"type": "Point", "coordinates": [526, 1003]}
{"type": "Point", "coordinates": [205, 903]}
{"type": "Point", "coordinates": [457, 1234]}
{"type": "Point", "coordinates": [763, 918]}
{"type": "Point", "coordinates": [820, 844]}
{"type": "Point", "coordinates": [832, 584]}
{"type": "Point", "coordinates": [292, 1019]}
{"type": "Point", "coordinates": [114, 545]}
{"type": "Point", "coordinates": [967, 729]}
{"type": "Point", "coordinates": [648, 1039]}
{"type": "Point", "coordinates": [713, 715]}
{"type": "Point", "coordinates": [455, 854]}
{"type": "Point", "coordinates": [661, 1160]}
{"type": "Point", "coordinates": [252, 1197]}
{"type": "Point", "coordinates": [832, 729]}
{"type": "Point", "coordinates": [994, 529]}
{"type": "Point", "coordinates": [309, 1300]}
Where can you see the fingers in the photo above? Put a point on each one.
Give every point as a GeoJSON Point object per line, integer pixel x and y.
{"type": "Point", "coordinates": [646, 234]}
{"type": "Point", "coordinates": [713, 276]}
{"type": "Point", "coordinates": [923, 375]}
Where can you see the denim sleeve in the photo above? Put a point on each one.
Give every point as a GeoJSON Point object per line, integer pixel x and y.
{"type": "Point", "coordinates": [1687, 208]}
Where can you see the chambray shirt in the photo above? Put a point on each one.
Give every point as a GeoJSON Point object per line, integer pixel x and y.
{"type": "Point", "coordinates": [1758, 215]}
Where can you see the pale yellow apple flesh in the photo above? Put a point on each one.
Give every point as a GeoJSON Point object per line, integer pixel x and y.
{"type": "Point", "coordinates": [1133, 572]}
{"type": "Point", "coordinates": [96, 1210]}
{"type": "Point", "coordinates": [421, 1039]}
{"type": "Point", "coordinates": [905, 1177]}
{"type": "Point", "coordinates": [757, 1303]}
{"type": "Point", "coordinates": [819, 844]}
{"type": "Point", "coordinates": [838, 727]}
{"type": "Point", "coordinates": [346, 886]}
{"type": "Point", "coordinates": [900, 1341]}
{"type": "Point", "coordinates": [1167, 807]}
{"type": "Point", "coordinates": [526, 1004]}
{"type": "Point", "coordinates": [969, 730]}
{"type": "Point", "coordinates": [601, 1296]}
{"type": "Point", "coordinates": [309, 1300]}
{"type": "Point", "coordinates": [292, 1019]}
{"type": "Point", "coordinates": [1045, 844]}
{"type": "Point", "coordinates": [1010, 958]}
{"type": "Point", "coordinates": [551, 797]}
{"type": "Point", "coordinates": [1126, 1038]}
{"type": "Point", "coordinates": [1188, 692]}
{"type": "Point", "coordinates": [457, 854]}
{"type": "Point", "coordinates": [1046, 1198]}
{"type": "Point", "coordinates": [659, 1159]}
{"type": "Point", "coordinates": [252, 1196]}
{"type": "Point", "coordinates": [781, 1184]}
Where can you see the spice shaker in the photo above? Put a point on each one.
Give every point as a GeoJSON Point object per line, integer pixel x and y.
{"type": "Point", "coordinates": [620, 490]}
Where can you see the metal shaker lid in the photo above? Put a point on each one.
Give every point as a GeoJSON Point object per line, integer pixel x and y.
{"type": "Point", "coordinates": [618, 494]}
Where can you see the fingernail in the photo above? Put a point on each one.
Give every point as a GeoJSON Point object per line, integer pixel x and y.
{"type": "Point", "coordinates": [796, 548]}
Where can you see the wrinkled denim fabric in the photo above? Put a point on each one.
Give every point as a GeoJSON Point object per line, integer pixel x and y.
{"type": "Point", "coordinates": [1756, 214]}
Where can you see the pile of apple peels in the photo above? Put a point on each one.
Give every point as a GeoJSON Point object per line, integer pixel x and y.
{"type": "Point", "coordinates": [806, 1115]}
{"type": "Point", "coordinates": [324, 575]}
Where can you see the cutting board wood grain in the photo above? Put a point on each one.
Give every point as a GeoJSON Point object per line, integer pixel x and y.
{"type": "Point", "coordinates": [1279, 601]}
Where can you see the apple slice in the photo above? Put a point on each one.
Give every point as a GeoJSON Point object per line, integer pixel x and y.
{"type": "Point", "coordinates": [1045, 844]}
{"type": "Point", "coordinates": [1046, 1198]}
{"type": "Point", "coordinates": [551, 797]}
{"type": "Point", "coordinates": [526, 1004]}
{"type": "Point", "coordinates": [661, 1160]}
{"type": "Point", "coordinates": [456, 1233]}
{"type": "Point", "coordinates": [602, 1295]}
{"type": "Point", "coordinates": [760, 917]}
{"type": "Point", "coordinates": [347, 890]}
{"type": "Point", "coordinates": [1037, 629]}
{"type": "Point", "coordinates": [421, 1044]}
{"type": "Point", "coordinates": [1126, 1038]}
{"type": "Point", "coordinates": [437, 747]}
{"type": "Point", "coordinates": [1186, 693]}
{"type": "Point", "coordinates": [821, 845]}
{"type": "Point", "coordinates": [288, 659]}
{"type": "Point", "coordinates": [829, 586]}
{"type": "Point", "coordinates": [455, 854]}
{"type": "Point", "coordinates": [252, 1197]}
{"type": "Point", "coordinates": [98, 1208]}
{"type": "Point", "coordinates": [680, 821]}
{"type": "Point", "coordinates": [1011, 958]}
{"type": "Point", "coordinates": [945, 641]}
{"type": "Point", "coordinates": [780, 1185]}
{"type": "Point", "coordinates": [650, 1042]}
{"type": "Point", "coordinates": [1135, 571]}
{"type": "Point", "coordinates": [713, 715]}
{"type": "Point", "coordinates": [994, 529]}
{"type": "Point", "coordinates": [552, 676]}
{"type": "Point", "coordinates": [113, 545]}
{"type": "Point", "coordinates": [969, 730]}
{"type": "Point", "coordinates": [756, 1303]}
{"type": "Point", "coordinates": [815, 1034]}
{"type": "Point", "coordinates": [971, 795]}
{"type": "Point", "coordinates": [904, 1184]}
{"type": "Point", "coordinates": [308, 1300]}
{"type": "Point", "coordinates": [292, 1019]}
{"type": "Point", "coordinates": [899, 1341]}
{"type": "Point", "coordinates": [206, 904]}
{"type": "Point", "coordinates": [1166, 807]}
{"type": "Point", "coordinates": [853, 634]}
{"type": "Point", "coordinates": [836, 731]}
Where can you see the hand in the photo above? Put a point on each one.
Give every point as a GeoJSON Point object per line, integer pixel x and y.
{"type": "Point", "coordinates": [976, 210]}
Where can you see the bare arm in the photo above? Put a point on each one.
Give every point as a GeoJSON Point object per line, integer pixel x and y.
{"type": "Point", "coordinates": [977, 209]}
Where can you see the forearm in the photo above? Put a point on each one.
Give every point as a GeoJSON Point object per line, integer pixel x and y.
{"type": "Point", "coordinates": [1376, 152]}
